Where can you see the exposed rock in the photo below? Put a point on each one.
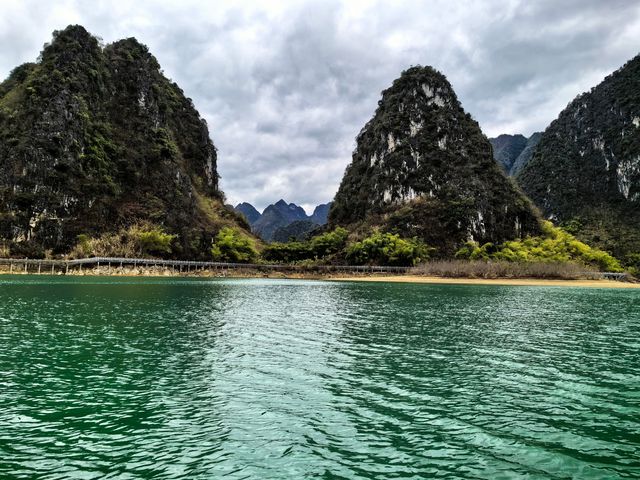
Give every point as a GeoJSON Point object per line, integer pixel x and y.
{"type": "Point", "coordinates": [507, 148]}
{"type": "Point", "coordinates": [526, 154]}
{"type": "Point", "coordinates": [586, 169]}
{"type": "Point", "coordinates": [93, 139]}
{"type": "Point", "coordinates": [249, 211]}
{"type": "Point", "coordinates": [423, 167]}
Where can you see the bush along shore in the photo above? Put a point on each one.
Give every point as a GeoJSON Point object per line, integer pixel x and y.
{"type": "Point", "coordinates": [436, 269]}
{"type": "Point", "coordinates": [147, 250]}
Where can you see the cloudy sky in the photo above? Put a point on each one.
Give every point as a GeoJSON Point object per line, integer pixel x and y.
{"type": "Point", "coordinates": [286, 86]}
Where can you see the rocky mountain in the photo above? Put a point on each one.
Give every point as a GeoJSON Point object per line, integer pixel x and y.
{"type": "Point", "coordinates": [585, 172]}
{"type": "Point", "coordinates": [526, 154]}
{"type": "Point", "coordinates": [514, 151]}
{"type": "Point", "coordinates": [96, 138]}
{"type": "Point", "coordinates": [249, 211]}
{"type": "Point", "coordinates": [320, 214]}
{"type": "Point", "coordinates": [422, 167]}
{"type": "Point", "coordinates": [279, 216]}
{"type": "Point", "coordinates": [506, 149]}
{"type": "Point", "coordinates": [275, 216]}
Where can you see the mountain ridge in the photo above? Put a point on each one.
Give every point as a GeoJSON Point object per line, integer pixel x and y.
{"type": "Point", "coordinates": [280, 215]}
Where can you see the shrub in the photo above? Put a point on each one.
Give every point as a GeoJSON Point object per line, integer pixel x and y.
{"type": "Point", "coordinates": [329, 243]}
{"type": "Point", "coordinates": [152, 240]}
{"type": "Point", "coordinates": [387, 249]}
{"type": "Point", "coordinates": [632, 262]}
{"type": "Point", "coordinates": [317, 247]}
{"type": "Point", "coordinates": [554, 246]}
{"type": "Point", "coordinates": [231, 245]}
{"type": "Point", "coordinates": [139, 240]}
{"type": "Point", "coordinates": [288, 252]}
{"type": "Point", "coordinates": [502, 269]}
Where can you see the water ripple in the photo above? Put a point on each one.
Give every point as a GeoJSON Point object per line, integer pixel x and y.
{"type": "Point", "coordinates": [173, 378]}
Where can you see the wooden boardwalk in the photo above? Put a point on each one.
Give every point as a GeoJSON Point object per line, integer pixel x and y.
{"type": "Point", "coordinates": [27, 265]}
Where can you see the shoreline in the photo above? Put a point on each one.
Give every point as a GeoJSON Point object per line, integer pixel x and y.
{"type": "Point", "coordinates": [160, 272]}
{"type": "Point", "coordinates": [516, 282]}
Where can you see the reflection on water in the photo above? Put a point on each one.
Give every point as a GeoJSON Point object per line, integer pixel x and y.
{"type": "Point", "coordinates": [155, 378]}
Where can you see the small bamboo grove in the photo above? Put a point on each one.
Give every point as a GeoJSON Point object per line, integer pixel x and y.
{"type": "Point", "coordinates": [554, 253]}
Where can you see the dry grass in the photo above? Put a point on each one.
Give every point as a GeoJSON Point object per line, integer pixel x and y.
{"type": "Point", "coordinates": [499, 269]}
{"type": "Point", "coordinates": [108, 245]}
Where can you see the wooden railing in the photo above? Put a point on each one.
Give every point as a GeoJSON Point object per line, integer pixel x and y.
{"type": "Point", "coordinates": [187, 266]}
{"type": "Point", "coordinates": [52, 266]}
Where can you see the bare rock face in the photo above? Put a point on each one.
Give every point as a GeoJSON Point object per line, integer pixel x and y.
{"type": "Point", "coordinates": [95, 138]}
{"type": "Point", "coordinates": [507, 148]}
{"type": "Point", "coordinates": [585, 172]}
{"type": "Point", "coordinates": [423, 167]}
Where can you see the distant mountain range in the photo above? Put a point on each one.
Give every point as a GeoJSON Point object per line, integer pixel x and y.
{"type": "Point", "coordinates": [512, 152]}
{"type": "Point", "coordinates": [280, 216]}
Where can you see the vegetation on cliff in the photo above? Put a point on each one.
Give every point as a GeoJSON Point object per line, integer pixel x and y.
{"type": "Point", "coordinates": [422, 168]}
{"type": "Point", "coordinates": [585, 172]}
{"type": "Point", "coordinates": [233, 245]}
{"type": "Point", "coordinates": [94, 140]}
{"type": "Point", "coordinates": [553, 246]}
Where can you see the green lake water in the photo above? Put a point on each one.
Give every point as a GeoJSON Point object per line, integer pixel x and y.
{"type": "Point", "coordinates": [257, 379]}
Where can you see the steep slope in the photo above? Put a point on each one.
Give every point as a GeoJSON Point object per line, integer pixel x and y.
{"type": "Point", "coordinates": [93, 139]}
{"type": "Point", "coordinates": [585, 171]}
{"type": "Point", "coordinates": [320, 213]}
{"type": "Point", "coordinates": [507, 148]}
{"type": "Point", "coordinates": [249, 211]}
{"type": "Point", "coordinates": [423, 167]}
{"type": "Point", "coordinates": [526, 154]}
{"type": "Point", "coordinates": [512, 152]}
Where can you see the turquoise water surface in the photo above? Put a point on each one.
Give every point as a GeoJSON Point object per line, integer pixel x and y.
{"type": "Point", "coordinates": [198, 379]}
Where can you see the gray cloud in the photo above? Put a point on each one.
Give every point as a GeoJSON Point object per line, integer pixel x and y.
{"type": "Point", "coordinates": [286, 86]}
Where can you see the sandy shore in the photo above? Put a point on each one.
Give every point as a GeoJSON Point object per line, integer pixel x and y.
{"type": "Point", "coordinates": [250, 273]}
{"type": "Point", "coordinates": [492, 281]}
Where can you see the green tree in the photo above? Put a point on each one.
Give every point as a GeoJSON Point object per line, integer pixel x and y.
{"type": "Point", "coordinates": [388, 249]}
{"type": "Point", "coordinates": [554, 245]}
{"type": "Point", "coordinates": [231, 245]}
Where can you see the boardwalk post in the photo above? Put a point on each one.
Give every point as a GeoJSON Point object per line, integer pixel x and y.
{"type": "Point", "coordinates": [39, 267]}
{"type": "Point", "coordinates": [25, 266]}
{"type": "Point", "coordinates": [11, 267]}
{"type": "Point", "coordinates": [66, 270]}
{"type": "Point", "coordinates": [52, 268]}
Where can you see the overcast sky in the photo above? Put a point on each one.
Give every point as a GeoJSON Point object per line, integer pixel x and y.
{"type": "Point", "coordinates": [286, 86]}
